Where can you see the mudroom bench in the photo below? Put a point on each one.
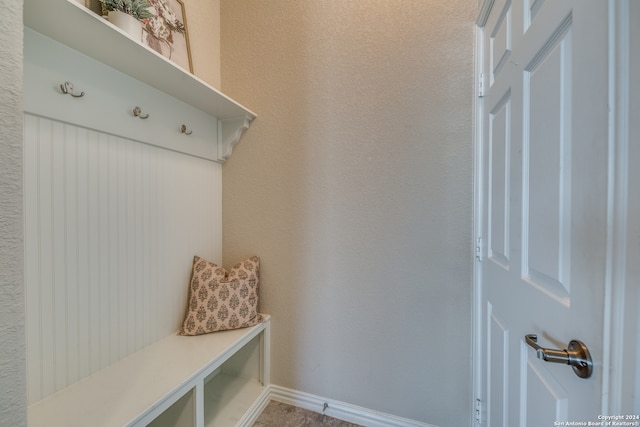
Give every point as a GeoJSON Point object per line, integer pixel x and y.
{"type": "Point", "coordinates": [217, 379]}
{"type": "Point", "coordinates": [123, 154]}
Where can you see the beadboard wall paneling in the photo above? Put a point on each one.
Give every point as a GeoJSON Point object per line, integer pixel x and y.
{"type": "Point", "coordinates": [111, 227]}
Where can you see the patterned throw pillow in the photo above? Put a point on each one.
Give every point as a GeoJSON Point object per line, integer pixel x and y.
{"type": "Point", "coordinates": [221, 299]}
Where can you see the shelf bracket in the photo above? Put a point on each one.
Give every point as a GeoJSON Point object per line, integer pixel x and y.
{"type": "Point", "coordinates": [229, 132]}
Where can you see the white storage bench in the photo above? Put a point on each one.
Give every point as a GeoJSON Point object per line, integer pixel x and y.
{"type": "Point", "coordinates": [108, 239]}
{"type": "Point", "coordinates": [217, 379]}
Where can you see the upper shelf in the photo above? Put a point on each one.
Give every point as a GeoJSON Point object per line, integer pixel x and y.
{"type": "Point", "coordinates": [79, 28]}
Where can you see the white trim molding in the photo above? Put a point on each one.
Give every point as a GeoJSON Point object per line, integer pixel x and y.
{"type": "Point", "coordinates": [485, 8]}
{"type": "Point", "coordinates": [256, 409]}
{"type": "Point", "coordinates": [621, 329]}
{"type": "Point", "coordinates": [340, 410]}
{"type": "Point", "coordinates": [479, 243]}
{"type": "Point", "coordinates": [230, 133]}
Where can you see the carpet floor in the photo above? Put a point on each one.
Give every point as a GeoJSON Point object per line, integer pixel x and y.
{"type": "Point", "coordinates": [278, 414]}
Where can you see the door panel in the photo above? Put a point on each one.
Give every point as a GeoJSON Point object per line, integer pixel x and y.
{"type": "Point", "coordinates": [544, 175]}
{"type": "Point", "coordinates": [551, 401]}
{"type": "Point", "coordinates": [547, 176]}
{"type": "Point", "coordinates": [501, 40]}
{"type": "Point", "coordinates": [499, 368]}
{"type": "Point", "coordinates": [499, 191]}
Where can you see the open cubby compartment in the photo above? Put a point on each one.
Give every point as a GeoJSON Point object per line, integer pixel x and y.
{"type": "Point", "coordinates": [234, 388]}
{"type": "Point", "coordinates": [181, 414]}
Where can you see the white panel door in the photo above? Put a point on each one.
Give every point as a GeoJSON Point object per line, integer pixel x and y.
{"type": "Point", "coordinates": [544, 207]}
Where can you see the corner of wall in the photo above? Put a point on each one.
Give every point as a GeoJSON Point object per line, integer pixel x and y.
{"type": "Point", "coordinates": [203, 26]}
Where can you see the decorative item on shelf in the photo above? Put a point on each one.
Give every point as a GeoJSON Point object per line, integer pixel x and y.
{"type": "Point", "coordinates": [67, 88]}
{"type": "Point", "coordinates": [127, 15]}
{"type": "Point", "coordinates": [93, 5]}
{"type": "Point", "coordinates": [137, 112]}
{"type": "Point", "coordinates": [183, 129]}
{"type": "Point", "coordinates": [166, 32]}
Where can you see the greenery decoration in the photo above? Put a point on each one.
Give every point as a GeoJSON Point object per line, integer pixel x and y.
{"type": "Point", "coordinates": [139, 9]}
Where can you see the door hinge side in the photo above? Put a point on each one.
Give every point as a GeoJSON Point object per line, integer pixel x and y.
{"type": "Point", "coordinates": [479, 249]}
{"type": "Point", "coordinates": [478, 411]}
{"type": "Point", "coordinates": [480, 85]}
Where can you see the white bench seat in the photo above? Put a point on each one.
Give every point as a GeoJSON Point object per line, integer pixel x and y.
{"type": "Point", "coordinates": [187, 370]}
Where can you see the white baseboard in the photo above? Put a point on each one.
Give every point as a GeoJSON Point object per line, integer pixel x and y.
{"type": "Point", "coordinates": [336, 409]}
{"type": "Point", "coordinates": [256, 409]}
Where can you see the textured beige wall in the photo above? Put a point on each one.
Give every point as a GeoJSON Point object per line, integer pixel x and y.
{"type": "Point", "coordinates": [354, 185]}
{"type": "Point", "coordinates": [12, 345]}
{"type": "Point", "coordinates": [203, 25]}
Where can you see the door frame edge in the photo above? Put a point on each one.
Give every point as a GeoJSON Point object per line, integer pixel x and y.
{"type": "Point", "coordinates": [479, 401]}
{"type": "Point", "coordinates": [621, 320]}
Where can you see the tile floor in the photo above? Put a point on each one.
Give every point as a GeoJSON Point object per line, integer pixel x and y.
{"type": "Point", "coordinates": [278, 414]}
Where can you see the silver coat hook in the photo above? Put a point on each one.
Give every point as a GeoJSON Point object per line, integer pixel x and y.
{"type": "Point", "coordinates": [183, 129]}
{"type": "Point", "coordinates": [67, 87]}
{"type": "Point", "coordinates": [137, 112]}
